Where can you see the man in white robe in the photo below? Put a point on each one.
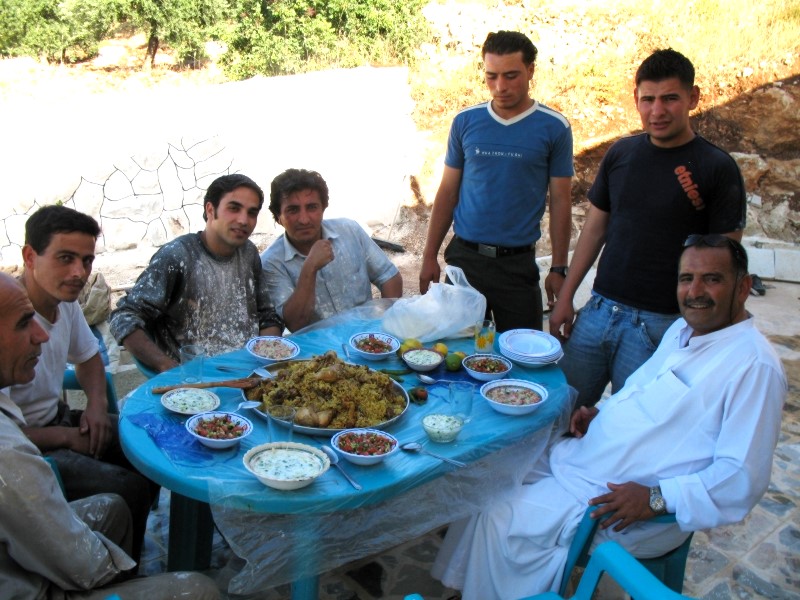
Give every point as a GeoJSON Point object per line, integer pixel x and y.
{"type": "Point", "coordinates": [692, 432]}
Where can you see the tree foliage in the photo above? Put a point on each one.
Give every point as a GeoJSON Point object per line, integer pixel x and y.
{"type": "Point", "coordinates": [289, 36]}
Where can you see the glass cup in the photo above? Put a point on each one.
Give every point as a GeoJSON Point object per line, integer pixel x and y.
{"type": "Point", "coordinates": [192, 363]}
{"type": "Point", "coordinates": [484, 336]}
{"type": "Point", "coordinates": [281, 423]}
{"type": "Point", "coordinates": [460, 400]}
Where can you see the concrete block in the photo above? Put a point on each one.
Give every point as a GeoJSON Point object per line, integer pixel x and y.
{"type": "Point", "coordinates": [762, 262]}
{"type": "Point", "coordinates": [787, 264]}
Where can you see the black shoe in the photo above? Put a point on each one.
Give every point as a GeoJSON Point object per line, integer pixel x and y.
{"type": "Point", "coordinates": [758, 285]}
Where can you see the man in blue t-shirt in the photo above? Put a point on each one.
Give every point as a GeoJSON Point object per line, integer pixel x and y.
{"type": "Point", "coordinates": [503, 157]}
{"type": "Point", "coordinates": [652, 191]}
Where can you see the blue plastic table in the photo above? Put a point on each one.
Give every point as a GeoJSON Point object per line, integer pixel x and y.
{"type": "Point", "coordinates": [300, 533]}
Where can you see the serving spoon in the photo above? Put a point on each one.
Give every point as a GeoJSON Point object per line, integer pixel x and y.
{"type": "Point", "coordinates": [335, 462]}
{"type": "Point", "coordinates": [431, 380]}
{"type": "Point", "coordinates": [248, 404]}
{"type": "Point", "coordinates": [415, 447]}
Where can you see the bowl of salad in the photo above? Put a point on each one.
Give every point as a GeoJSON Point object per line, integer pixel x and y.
{"type": "Point", "coordinates": [373, 345]}
{"type": "Point", "coordinates": [486, 367]}
{"type": "Point", "coordinates": [219, 429]}
{"type": "Point", "coordinates": [364, 446]}
{"type": "Point", "coordinates": [272, 348]}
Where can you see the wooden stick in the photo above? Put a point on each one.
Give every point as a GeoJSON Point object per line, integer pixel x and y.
{"type": "Point", "coordinates": [244, 383]}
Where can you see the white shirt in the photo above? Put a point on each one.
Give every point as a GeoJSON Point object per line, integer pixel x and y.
{"type": "Point", "coordinates": [706, 412]}
{"type": "Point", "coordinates": [72, 341]}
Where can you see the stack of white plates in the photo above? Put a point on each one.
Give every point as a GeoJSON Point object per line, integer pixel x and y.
{"type": "Point", "coordinates": [530, 347]}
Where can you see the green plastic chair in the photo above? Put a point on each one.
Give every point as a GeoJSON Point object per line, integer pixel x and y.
{"type": "Point", "coordinates": [669, 567]}
{"type": "Point", "coordinates": [71, 383]}
{"type": "Point", "coordinates": [629, 573]}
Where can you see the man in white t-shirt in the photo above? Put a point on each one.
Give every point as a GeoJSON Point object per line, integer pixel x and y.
{"type": "Point", "coordinates": [58, 255]}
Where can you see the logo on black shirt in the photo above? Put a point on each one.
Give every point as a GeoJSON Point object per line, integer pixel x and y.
{"type": "Point", "coordinates": [690, 187]}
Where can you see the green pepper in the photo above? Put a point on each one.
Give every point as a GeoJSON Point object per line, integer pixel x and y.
{"type": "Point", "coordinates": [418, 395]}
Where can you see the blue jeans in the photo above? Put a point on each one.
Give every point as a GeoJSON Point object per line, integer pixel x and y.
{"type": "Point", "coordinates": [609, 341]}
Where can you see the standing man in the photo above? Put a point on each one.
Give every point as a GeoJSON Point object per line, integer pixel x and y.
{"type": "Point", "coordinates": [503, 157]}
{"type": "Point", "coordinates": [202, 288]}
{"type": "Point", "coordinates": [652, 191]}
{"type": "Point", "coordinates": [320, 268]}
{"type": "Point", "coordinates": [49, 548]}
{"type": "Point", "coordinates": [692, 432]}
{"type": "Point", "coordinates": [58, 255]}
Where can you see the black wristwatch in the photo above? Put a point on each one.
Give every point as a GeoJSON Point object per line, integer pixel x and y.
{"type": "Point", "coordinates": [657, 503]}
{"type": "Point", "coordinates": [560, 270]}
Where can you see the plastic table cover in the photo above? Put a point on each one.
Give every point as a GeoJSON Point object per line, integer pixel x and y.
{"type": "Point", "coordinates": [285, 536]}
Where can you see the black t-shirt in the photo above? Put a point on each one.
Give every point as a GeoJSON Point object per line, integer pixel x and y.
{"type": "Point", "coordinates": [656, 198]}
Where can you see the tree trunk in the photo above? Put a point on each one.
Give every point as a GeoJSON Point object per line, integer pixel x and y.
{"type": "Point", "coordinates": [152, 48]}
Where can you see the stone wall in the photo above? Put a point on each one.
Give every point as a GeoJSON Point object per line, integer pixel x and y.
{"type": "Point", "coordinates": [140, 163]}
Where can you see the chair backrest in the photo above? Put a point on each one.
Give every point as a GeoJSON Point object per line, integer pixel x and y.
{"type": "Point", "coordinates": [630, 574]}
{"type": "Point", "coordinates": [669, 567]}
{"type": "Point", "coordinates": [71, 383]}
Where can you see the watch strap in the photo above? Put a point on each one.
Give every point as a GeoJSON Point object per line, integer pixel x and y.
{"type": "Point", "coordinates": [560, 270]}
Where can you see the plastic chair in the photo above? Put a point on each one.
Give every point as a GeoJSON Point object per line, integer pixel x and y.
{"type": "Point", "coordinates": [56, 472]}
{"type": "Point", "coordinates": [71, 383]}
{"type": "Point", "coordinates": [669, 567]}
{"type": "Point", "coordinates": [628, 572]}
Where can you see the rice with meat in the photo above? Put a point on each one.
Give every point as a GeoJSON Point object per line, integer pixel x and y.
{"type": "Point", "coordinates": [331, 394]}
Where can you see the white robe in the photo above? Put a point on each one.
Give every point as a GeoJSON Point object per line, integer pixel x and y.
{"type": "Point", "coordinates": [700, 419]}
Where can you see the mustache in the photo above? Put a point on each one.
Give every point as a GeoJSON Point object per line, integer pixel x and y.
{"type": "Point", "coordinates": [702, 302]}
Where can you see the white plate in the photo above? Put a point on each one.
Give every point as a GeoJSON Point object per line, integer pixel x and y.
{"type": "Point", "coordinates": [189, 401]}
{"type": "Point", "coordinates": [529, 343]}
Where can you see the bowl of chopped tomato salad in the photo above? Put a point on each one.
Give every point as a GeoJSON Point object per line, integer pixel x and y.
{"type": "Point", "coordinates": [219, 429]}
{"type": "Point", "coordinates": [374, 345]}
{"type": "Point", "coordinates": [364, 446]}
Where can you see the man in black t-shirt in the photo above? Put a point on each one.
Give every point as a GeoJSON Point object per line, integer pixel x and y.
{"type": "Point", "coordinates": [651, 192]}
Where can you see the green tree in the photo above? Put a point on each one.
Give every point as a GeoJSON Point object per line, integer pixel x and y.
{"type": "Point", "coordinates": [183, 24]}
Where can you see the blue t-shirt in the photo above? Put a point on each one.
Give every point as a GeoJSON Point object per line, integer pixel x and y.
{"type": "Point", "coordinates": [506, 166]}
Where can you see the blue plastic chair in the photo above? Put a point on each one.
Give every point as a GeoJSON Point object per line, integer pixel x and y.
{"type": "Point", "coordinates": [71, 383]}
{"type": "Point", "coordinates": [628, 572]}
{"type": "Point", "coordinates": [56, 472]}
{"type": "Point", "coordinates": [669, 567]}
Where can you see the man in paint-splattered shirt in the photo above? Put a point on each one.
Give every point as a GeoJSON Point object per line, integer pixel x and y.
{"type": "Point", "coordinates": [205, 288]}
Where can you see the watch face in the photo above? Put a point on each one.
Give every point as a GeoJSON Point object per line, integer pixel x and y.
{"type": "Point", "coordinates": [657, 503]}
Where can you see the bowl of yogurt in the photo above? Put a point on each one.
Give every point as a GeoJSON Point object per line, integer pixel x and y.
{"type": "Point", "coordinates": [442, 428]}
{"type": "Point", "coordinates": [190, 401]}
{"type": "Point", "coordinates": [422, 359]}
{"type": "Point", "coordinates": [286, 465]}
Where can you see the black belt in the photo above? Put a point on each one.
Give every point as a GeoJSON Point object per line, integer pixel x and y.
{"type": "Point", "coordinates": [494, 251]}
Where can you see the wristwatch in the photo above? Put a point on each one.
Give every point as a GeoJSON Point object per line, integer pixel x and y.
{"type": "Point", "coordinates": [560, 270]}
{"type": "Point", "coordinates": [657, 503]}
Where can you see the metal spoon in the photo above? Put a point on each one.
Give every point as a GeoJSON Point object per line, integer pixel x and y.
{"type": "Point", "coordinates": [431, 380]}
{"type": "Point", "coordinates": [415, 447]}
{"type": "Point", "coordinates": [346, 351]}
{"type": "Point", "coordinates": [335, 462]}
{"type": "Point", "coordinates": [258, 370]}
{"type": "Point", "coordinates": [248, 404]}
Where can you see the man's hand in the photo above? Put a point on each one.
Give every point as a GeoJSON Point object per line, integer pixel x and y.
{"type": "Point", "coordinates": [580, 419]}
{"type": "Point", "coordinates": [563, 315]}
{"type": "Point", "coordinates": [552, 286]}
{"type": "Point", "coordinates": [630, 502]}
{"type": "Point", "coordinates": [96, 424]}
{"type": "Point", "coordinates": [429, 273]}
{"type": "Point", "coordinates": [76, 441]}
{"type": "Point", "coordinates": [321, 254]}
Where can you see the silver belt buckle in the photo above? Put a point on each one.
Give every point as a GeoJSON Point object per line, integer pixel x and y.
{"type": "Point", "coordinates": [486, 250]}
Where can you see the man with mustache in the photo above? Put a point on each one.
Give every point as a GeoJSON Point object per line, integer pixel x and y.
{"type": "Point", "coordinates": [692, 432]}
{"type": "Point", "coordinates": [50, 548]}
{"type": "Point", "coordinates": [319, 268]}
{"type": "Point", "coordinates": [58, 256]}
{"type": "Point", "coordinates": [202, 288]}
{"type": "Point", "coordinates": [652, 190]}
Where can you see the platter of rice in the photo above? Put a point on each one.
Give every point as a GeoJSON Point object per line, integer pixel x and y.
{"type": "Point", "coordinates": [331, 395]}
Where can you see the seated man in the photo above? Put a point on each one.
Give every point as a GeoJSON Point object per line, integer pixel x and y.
{"type": "Point", "coordinates": [49, 548]}
{"type": "Point", "coordinates": [202, 288]}
{"type": "Point", "coordinates": [58, 254]}
{"type": "Point", "coordinates": [320, 268]}
{"type": "Point", "coordinates": [692, 432]}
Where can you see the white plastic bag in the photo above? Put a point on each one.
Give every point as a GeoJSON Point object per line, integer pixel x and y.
{"type": "Point", "coordinates": [446, 311]}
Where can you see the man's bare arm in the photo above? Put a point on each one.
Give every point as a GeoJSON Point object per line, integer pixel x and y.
{"type": "Point", "coordinates": [147, 352]}
{"type": "Point", "coordinates": [560, 232]}
{"type": "Point", "coordinates": [393, 288]}
{"type": "Point", "coordinates": [95, 420]}
{"type": "Point", "coordinates": [441, 218]}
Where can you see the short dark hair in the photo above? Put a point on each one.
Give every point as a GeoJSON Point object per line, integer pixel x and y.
{"type": "Point", "coordinates": [292, 181]}
{"type": "Point", "coordinates": [664, 64]}
{"type": "Point", "coordinates": [227, 183]}
{"type": "Point", "coordinates": [717, 240]}
{"type": "Point", "coordinates": [49, 220]}
{"type": "Point", "coordinates": [508, 42]}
